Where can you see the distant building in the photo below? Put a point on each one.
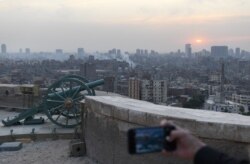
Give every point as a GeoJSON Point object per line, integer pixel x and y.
{"type": "Point", "coordinates": [122, 87]}
{"type": "Point", "coordinates": [154, 91]}
{"type": "Point", "coordinates": [152, 52]}
{"type": "Point", "coordinates": [237, 52]}
{"type": "Point", "coordinates": [80, 53]}
{"type": "Point", "coordinates": [59, 51]}
{"type": "Point", "coordinates": [113, 51]}
{"type": "Point", "coordinates": [134, 88]}
{"type": "Point", "coordinates": [241, 99]}
{"type": "Point", "coordinates": [27, 50]}
{"type": "Point", "coordinates": [138, 51]}
{"type": "Point", "coordinates": [219, 51]}
{"type": "Point", "coordinates": [118, 52]}
{"type": "Point", "coordinates": [91, 58]}
{"type": "Point", "coordinates": [215, 78]}
{"type": "Point", "coordinates": [109, 84]}
{"type": "Point", "coordinates": [231, 52]}
{"type": "Point", "coordinates": [142, 52]}
{"type": "Point", "coordinates": [188, 50]}
{"type": "Point", "coordinates": [88, 70]}
{"type": "Point", "coordinates": [3, 49]}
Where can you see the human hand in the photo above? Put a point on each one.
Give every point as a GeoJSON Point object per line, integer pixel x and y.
{"type": "Point", "coordinates": [187, 144]}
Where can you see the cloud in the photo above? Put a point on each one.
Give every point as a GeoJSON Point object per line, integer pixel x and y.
{"type": "Point", "coordinates": [99, 24]}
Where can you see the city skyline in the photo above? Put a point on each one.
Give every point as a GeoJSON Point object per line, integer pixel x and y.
{"type": "Point", "coordinates": [100, 25]}
{"type": "Point", "coordinates": [80, 50]}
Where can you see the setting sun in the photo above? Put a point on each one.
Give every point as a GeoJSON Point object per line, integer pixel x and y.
{"type": "Point", "coordinates": [198, 41]}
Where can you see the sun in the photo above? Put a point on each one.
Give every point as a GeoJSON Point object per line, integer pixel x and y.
{"type": "Point", "coordinates": [198, 41]}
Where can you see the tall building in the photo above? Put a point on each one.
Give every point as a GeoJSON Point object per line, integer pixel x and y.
{"type": "Point", "coordinates": [80, 53]}
{"type": "Point", "coordinates": [91, 58]}
{"type": "Point", "coordinates": [134, 88]}
{"type": "Point", "coordinates": [138, 51]}
{"type": "Point", "coordinates": [118, 52]}
{"type": "Point", "coordinates": [109, 84]}
{"type": "Point", "coordinates": [237, 52]}
{"type": "Point", "coordinates": [188, 50]}
{"type": "Point", "coordinates": [59, 51]}
{"type": "Point", "coordinates": [3, 49]}
{"type": "Point", "coordinates": [154, 91]}
{"type": "Point", "coordinates": [88, 70]}
{"type": "Point", "coordinates": [219, 51]}
{"type": "Point", "coordinates": [27, 50]}
{"type": "Point", "coordinates": [147, 90]}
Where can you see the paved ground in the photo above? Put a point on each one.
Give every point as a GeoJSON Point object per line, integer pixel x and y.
{"type": "Point", "coordinates": [46, 128]}
{"type": "Point", "coordinates": [43, 152]}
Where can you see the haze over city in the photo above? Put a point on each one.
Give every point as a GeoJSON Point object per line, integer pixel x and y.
{"type": "Point", "coordinates": [165, 25]}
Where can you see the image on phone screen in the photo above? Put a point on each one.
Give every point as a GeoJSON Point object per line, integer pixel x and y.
{"type": "Point", "coordinates": [149, 140]}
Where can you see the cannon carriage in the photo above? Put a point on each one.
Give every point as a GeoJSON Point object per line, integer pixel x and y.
{"type": "Point", "coordinates": [61, 103]}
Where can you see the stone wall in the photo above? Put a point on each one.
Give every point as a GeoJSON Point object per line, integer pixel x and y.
{"type": "Point", "coordinates": [109, 118]}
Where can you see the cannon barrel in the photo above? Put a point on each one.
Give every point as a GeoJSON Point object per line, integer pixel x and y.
{"type": "Point", "coordinates": [90, 85]}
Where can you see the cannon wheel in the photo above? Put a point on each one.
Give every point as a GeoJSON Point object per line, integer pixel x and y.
{"type": "Point", "coordinates": [63, 108]}
{"type": "Point", "coordinates": [83, 80]}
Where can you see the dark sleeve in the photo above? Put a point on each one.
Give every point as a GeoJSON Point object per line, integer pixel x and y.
{"type": "Point", "coordinates": [207, 155]}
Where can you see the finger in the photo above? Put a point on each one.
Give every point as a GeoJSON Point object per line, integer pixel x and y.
{"type": "Point", "coordinates": [167, 153]}
{"type": "Point", "coordinates": [168, 138]}
{"type": "Point", "coordinates": [166, 122]}
{"type": "Point", "coordinates": [177, 134]}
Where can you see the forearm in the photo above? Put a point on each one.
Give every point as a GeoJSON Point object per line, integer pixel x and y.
{"type": "Point", "coordinates": [207, 155]}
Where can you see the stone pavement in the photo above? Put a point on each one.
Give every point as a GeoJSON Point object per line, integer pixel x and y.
{"type": "Point", "coordinates": [43, 131]}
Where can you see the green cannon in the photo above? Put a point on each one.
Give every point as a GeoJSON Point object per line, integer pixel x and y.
{"type": "Point", "coordinates": [61, 103]}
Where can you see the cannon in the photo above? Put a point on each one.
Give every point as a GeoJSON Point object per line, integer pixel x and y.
{"type": "Point", "coordinates": [61, 103]}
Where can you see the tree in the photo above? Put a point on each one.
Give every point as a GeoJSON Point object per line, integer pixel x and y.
{"type": "Point", "coordinates": [241, 109]}
{"type": "Point", "coordinates": [195, 102]}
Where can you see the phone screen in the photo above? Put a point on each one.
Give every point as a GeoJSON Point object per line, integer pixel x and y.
{"type": "Point", "coordinates": [149, 140]}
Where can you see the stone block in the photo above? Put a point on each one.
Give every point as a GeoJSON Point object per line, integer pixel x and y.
{"type": "Point", "coordinates": [218, 131]}
{"type": "Point", "coordinates": [106, 109]}
{"type": "Point", "coordinates": [209, 130]}
{"type": "Point", "coordinates": [189, 124]}
{"type": "Point", "coordinates": [243, 134]}
{"type": "Point", "coordinates": [137, 117]}
{"type": "Point", "coordinates": [11, 146]}
{"type": "Point", "coordinates": [92, 105]}
{"type": "Point", "coordinates": [121, 113]}
{"type": "Point", "coordinates": [154, 119]}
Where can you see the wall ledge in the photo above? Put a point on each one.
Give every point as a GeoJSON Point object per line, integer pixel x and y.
{"type": "Point", "coordinates": [205, 124]}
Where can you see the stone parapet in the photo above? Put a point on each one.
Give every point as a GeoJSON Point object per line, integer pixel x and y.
{"type": "Point", "coordinates": [109, 118]}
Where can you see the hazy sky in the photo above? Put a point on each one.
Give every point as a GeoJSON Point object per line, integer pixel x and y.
{"type": "Point", "coordinates": [163, 25]}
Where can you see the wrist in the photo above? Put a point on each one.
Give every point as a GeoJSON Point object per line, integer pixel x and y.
{"type": "Point", "coordinates": [198, 148]}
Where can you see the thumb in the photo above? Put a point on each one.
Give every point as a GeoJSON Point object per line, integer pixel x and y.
{"type": "Point", "coordinates": [177, 134]}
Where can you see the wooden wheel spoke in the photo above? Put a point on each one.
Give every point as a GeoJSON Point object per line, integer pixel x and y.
{"type": "Point", "coordinates": [76, 117]}
{"type": "Point", "coordinates": [55, 108]}
{"type": "Point", "coordinates": [67, 118]}
{"type": "Point", "coordinates": [63, 91]}
{"type": "Point", "coordinates": [58, 116]}
{"type": "Point", "coordinates": [56, 101]}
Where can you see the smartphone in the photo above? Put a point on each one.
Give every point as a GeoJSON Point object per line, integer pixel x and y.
{"type": "Point", "coordinates": [150, 140]}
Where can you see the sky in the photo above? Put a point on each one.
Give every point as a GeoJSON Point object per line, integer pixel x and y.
{"type": "Point", "coordinates": [100, 25]}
